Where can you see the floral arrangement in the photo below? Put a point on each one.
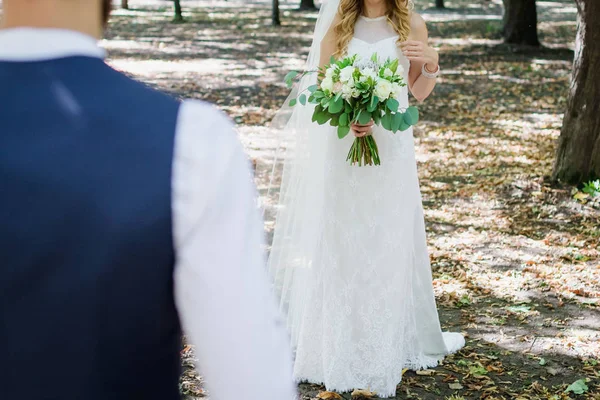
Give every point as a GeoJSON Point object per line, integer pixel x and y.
{"type": "Point", "coordinates": [358, 91]}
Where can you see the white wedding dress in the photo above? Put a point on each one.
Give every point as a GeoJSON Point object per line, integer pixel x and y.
{"type": "Point", "coordinates": [362, 307]}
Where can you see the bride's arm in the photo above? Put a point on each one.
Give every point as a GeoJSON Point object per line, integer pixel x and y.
{"type": "Point", "coordinates": [417, 50]}
{"type": "Point", "coordinates": [328, 44]}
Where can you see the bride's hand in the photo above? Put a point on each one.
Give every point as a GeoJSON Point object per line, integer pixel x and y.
{"type": "Point", "coordinates": [362, 130]}
{"type": "Point", "coordinates": [417, 51]}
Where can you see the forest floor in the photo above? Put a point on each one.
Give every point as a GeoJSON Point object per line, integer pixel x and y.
{"type": "Point", "coordinates": [516, 259]}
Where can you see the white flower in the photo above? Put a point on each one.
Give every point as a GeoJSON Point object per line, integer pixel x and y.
{"type": "Point", "coordinates": [383, 89]}
{"type": "Point", "coordinates": [331, 71]}
{"type": "Point", "coordinates": [396, 89]}
{"type": "Point", "coordinates": [355, 93]}
{"type": "Point", "coordinates": [338, 87]}
{"type": "Point", "coordinates": [388, 72]}
{"type": "Point", "coordinates": [327, 84]}
{"type": "Point", "coordinates": [400, 70]}
{"type": "Point", "coordinates": [346, 74]}
{"type": "Point", "coordinates": [369, 73]}
{"type": "Point", "coordinates": [347, 90]}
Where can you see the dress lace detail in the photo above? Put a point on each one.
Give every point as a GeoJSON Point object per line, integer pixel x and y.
{"type": "Point", "coordinates": [369, 307]}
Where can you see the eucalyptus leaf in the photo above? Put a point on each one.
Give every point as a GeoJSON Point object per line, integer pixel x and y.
{"type": "Point", "coordinates": [386, 121]}
{"type": "Point", "coordinates": [392, 104]}
{"type": "Point", "coordinates": [336, 105]}
{"type": "Point", "coordinates": [397, 120]}
{"type": "Point", "coordinates": [342, 131]}
{"type": "Point", "coordinates": [373, 104]}
{"type": "Point", "coordinates": [312, 88]}
{"type": "Point", "coordinates": [411, 116]}
{"type": "Point", "coordinates": [302, 99]}
{"type": "Point", "coordinates": [365, 118]}
{"type": "Point", "coordinates": [293, 102]}
{"type": "Point", "coordinates": [289, 78]}
{"type": "Point", "coordinates": [344, 120]}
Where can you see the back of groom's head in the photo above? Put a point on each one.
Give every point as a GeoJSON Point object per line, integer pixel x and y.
{"type": "Point", "coordinates": [86, 16]}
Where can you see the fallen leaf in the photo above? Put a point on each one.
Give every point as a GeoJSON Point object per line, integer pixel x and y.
{"type": "Point", "coordinates": [329, 396]}
{"type": "Point", "coordinates": [359, 393]}
{"type": "Point", "coordinates": [455, 386]}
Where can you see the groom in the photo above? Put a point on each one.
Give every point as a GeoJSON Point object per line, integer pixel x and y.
{"type": "Point", "coordinates": [123, 216]}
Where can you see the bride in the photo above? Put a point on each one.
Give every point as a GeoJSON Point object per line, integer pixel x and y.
{"type": "Point", "coordinates": [349, 256]}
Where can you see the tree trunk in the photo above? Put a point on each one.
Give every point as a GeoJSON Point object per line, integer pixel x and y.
{"type": "Point", "coordinates": [178, 12]}
{"type": "Point", "coordinates": [307, 5]}
{"type": "Point", "coordinates": [439, 4]}
{"type": "Point", "coordinates": [520, 22]}
{"type": "Point", "coordinates": [276, 21]}
{"type": "Point", "coordinates": [125, 4]}
{"type": "Point", "coordinates": [578, 155]}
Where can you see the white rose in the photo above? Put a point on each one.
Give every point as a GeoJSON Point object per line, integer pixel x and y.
{"type": "Point", "coordinates": [369, 73]}
{"type": "Point", "coordinates": [355, 93]}
{"type": "Point", "coordinates": [397, 90]}
{"type": "Point", "coordinates": [387, 73]}
{"type": "Point", "coordinates": [346, 74]}
{"type": "Point", "coordinates": [383, 88]}
{"type": "Point", "coordinates": [331, 71]}
{"type": "Point", "coordinates": [327, 84]}
{"type": "Point", "coordinates": [347, 91]}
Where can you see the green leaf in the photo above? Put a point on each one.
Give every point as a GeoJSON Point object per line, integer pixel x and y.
{"type": "Point", "coordinates": [336, 105]}
{"type": "Point", "coordinates": [302, 99]}
{"type": "Point", "coordinates": [411, 116]}
{"type": "Point", "coordinates": [394, 66]}
{"type": "Point", "coordinates": [335, 120]}
{"type": "Point", "coordinates": [344, 120]}
{"type": "Point", "coordinates": [293, 102]}
{"type": "Point", "coordinates": [365, 118]}
{"type": "Point", "coordinates": [373, 104]}
{"type": "Point", "coordinates": [397, 120]}
{"type": "Point", "coordinates": [332, 60]}
{"type": "Point", "coordinates": [386, 121]}
{"type": "Point", "coordinates": [347, 108]}
{"type": "Point", "coordinates": [342, 131]}
{"type": "Point", "coordinates": [374, 58]}
{"type": "Point", "coordinates": [403, 126]}
{"type": "Point", "coordinates": [577, 387]}
{"type": "Point", "coordinates": [312, 88]}
{"type": "Point", "coordinates": [392, 104]}
{"type": "Point", "coordinates": [325, 102]}
{"type": "Point", "coordinates": [376, 118]}
{"type": "Point", "coordinates": [477, 370]}
{"type": "Point", "coordinates": [318, 94]}
{"type": "Point", "coordinates": [542, 361]}
{"type": "Point", "coordinates": [289, 78]}
{"type": "Point", "coordinates": [323, 117]}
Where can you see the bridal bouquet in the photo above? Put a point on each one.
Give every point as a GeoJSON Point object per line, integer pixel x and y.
{"type": "Point", "coordinates": [355, 90]}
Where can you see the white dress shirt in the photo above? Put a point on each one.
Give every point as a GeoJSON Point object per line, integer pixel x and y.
{"type": "Point", "coordinates": [221, 286]}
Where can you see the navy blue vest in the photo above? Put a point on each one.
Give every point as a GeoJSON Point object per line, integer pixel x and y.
{"type": "Point", "coordinates": [86, 250]}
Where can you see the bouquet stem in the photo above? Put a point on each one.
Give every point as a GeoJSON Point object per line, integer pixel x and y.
{"type": "Point", "coordinates": [364, 151]}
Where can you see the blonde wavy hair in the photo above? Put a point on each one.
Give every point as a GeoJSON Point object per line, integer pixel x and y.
{"type": "Point", "coordinates": [398, 16]}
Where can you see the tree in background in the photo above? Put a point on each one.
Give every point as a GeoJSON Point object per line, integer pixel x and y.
{"type": "Point", "coordinates": [439, 4]}
{"type": "Point", "coordinates": [578, 155]}
{"type": "Point", "coordinates": [307, 5]}
{"type": "Point", "coordinates": [520, 22]}
{"type": "Point", "coordinates": [275, 19]}
{"type": "Point", "coordinates": [178, 12]}
{"type": "Point", "coordinates": [125, 4]}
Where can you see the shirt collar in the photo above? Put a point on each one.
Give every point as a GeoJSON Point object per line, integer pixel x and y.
{"type": "Point", "coordinates": [33, 44]}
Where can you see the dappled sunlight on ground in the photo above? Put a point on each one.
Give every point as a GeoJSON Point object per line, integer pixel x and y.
{"type": "Point", "coordinates": [515, 259]}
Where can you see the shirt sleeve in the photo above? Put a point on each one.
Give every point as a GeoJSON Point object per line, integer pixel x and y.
{"type": "Point", "coordinates": [222, 289]}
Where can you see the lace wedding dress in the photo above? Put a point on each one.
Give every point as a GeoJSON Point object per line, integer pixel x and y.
{"type": "Point", "coordinates": [362, 307]}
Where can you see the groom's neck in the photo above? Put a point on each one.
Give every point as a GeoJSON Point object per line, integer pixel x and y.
{"type": "Point", "coordinates": [84, 16]}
